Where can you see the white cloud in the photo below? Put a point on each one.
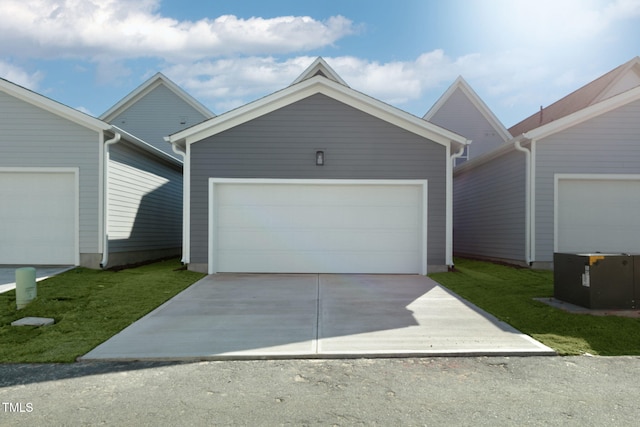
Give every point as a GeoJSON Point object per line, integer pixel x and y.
{"type": "Point", "coordinates": [131, 29]}
{"type": "Point", "coordinates": [19, 76]}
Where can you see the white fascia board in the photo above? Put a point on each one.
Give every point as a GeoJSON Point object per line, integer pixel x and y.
{"type": "Point", "coordinates": [585, 114]}
{"type": "Point", "coordinates": [505, 148]}
{"type": "Point", "coordinates": [145, 146]}
{"type": "Point", "coordinates": [52, 106]}
{"type": "Point", "coordinates": [319, 65]}
{"type": "Point", "coordinates": [478, 103]}
{"type": "Point", "coordinates": [148, 86]}
{"type": "Point", "coordinates": [310, 87]}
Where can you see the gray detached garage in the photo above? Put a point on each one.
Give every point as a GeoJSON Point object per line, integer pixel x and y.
{"type": "Point", "coordinates": [317, 178]}
{"type": "Point", "coordinates": [75, 190]}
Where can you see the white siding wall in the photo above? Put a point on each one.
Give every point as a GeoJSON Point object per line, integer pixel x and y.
{"type": "Point", "coordinates": [145, 202]}
{"type": "Point", "coordinates": [461, 116]}
{"type": "Point", "coordinates": [32, 137]}
{"type": "Point", "coordinates": [608, 144]}
{"type": "Point", "coordinates": [158, 114]}
{"type": "Point", "coordinates": [489, 209]}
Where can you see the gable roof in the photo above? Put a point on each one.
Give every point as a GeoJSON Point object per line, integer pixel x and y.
{"type": "Point", "coordinates": [321, 68]}
{"type": "Point", "coordinates": [76, 116]}
{"type": "Point", "coordinates": [566, 122]}
{"type": "Point", "coordinates": [52, 106]}
{"type": "Point", "coordinates": [146, 87]}
{"type": "Point", "coordinates": [461, 84]}
{"type": "Point", "coordinates": [620, 79]}
{"type": "Point", "coordinates": [311, 86]}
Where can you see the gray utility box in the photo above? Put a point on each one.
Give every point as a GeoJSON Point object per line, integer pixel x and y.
{"type": "Point", "coordinates": [599, 281]}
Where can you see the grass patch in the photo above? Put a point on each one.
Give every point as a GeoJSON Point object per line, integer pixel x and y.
{"type": "Point", "coordinates": [89, 306]}
{"type": "Point", "coordinates": [508, 292]}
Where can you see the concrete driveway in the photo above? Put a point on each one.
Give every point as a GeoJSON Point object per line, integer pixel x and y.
{"type": "Point", "coordinates": [254, 316]}
{"type": "Point", "coordinates": [8, 275]}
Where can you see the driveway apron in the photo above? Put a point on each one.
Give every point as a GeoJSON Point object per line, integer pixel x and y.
{"type": "Point", "coordinates": [254, 316]}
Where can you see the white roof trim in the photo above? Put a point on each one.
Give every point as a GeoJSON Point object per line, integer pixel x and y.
{"type": "Point", "coordinates": [145, 146]}
{"type": "Point", "coordinates": [585, 114]}
{"type": "Point", "coordinates": [146, 87]}
{"type": "Point", "coordinates": [320, 65]}
{"type": "Point", "coordinates": [629, 68]}
{"type": "Point", "coordinates": [467, 90]}
{"type": "Point", "coordinates": [305, 89]}
{"type": "Point", "coordinates": [556, 126]}
{"type": "Point", "coordinates": [52, 106]}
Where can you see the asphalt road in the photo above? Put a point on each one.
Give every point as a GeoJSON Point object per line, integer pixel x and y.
{"type": "Point", "coordinates": [494, 391]}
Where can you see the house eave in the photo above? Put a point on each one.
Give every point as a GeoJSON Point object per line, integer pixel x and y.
{"type": "Point", "coordinates": [585, 114]}
{"type": "Point", "coordinates": [148, 86]}
{"type": "Point", "coordinates": [52, 106]}
{"type": "Point", "coordinates": [309, 87]}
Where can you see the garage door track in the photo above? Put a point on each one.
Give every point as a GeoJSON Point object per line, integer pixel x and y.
{"type": "Point", "coordinates": [254, 316]}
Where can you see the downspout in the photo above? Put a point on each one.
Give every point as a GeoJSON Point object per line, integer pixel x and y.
{"type": "Point", "coordinates": [105, 195]}
{"type": "Point", "coordinates": [449, 207]}
{"type": "Point", "coordinates": [185, 200]}
{"type": "Point", "coordinates": [527, 201]}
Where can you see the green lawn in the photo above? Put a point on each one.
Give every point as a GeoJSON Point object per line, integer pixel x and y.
{"type": "Point", "coordinates": [88, 306]}
{"type": "Point", "coordinates": [508, 292]}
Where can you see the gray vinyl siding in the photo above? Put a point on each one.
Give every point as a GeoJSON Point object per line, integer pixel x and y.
{"type": "Point", "coordinates": [33, 137]}
{"type": "Point", "coordinates": [608, 144]}
{"type": "Point", "coordinates": [489, 216]}
{"type": "Point", "coordinates": [156, 115]}
{"type": "Point", "coordinates": [145, 201]}
{"type": "Point", "coordinates": [461, 116]}
{"type": "Point", "coordinates": [282, 144]}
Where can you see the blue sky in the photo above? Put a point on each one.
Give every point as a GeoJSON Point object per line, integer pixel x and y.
{"type": "Point", "coordinates": [516, 54]}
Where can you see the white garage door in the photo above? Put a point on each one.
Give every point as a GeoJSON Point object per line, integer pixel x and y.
{"type": "Point", "coordinates": [598, 215]}
{"type": "Point", "coordinates": [335, 227]}
{"type": "Point", "coordinates": [38, 218]}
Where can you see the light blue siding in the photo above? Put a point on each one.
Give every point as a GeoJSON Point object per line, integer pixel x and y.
{"type": "Point", "coordinates": [283, 143]}
{"type": "Point", "coordinates": [489, 217]}
{"type": "Point", "coordinates": [145, 201]}
{"type": "Point", "coordinates": [461, 116]}
{"type": "Point", "coordinates": [158, 114]}
{"type": "Point", "coordinates": [608, 144]}
{"type": "Point", "coordinates": [33, 137]}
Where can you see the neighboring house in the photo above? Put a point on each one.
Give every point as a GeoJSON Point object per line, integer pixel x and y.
{"type": "Point", "coordinates": [155, 109]}
{"type": "Point", "coordinates": [461, 110]}
{"type": "Point", "coordinates": [75, 190]}
{"type": "Point", "coordinates": [568, 181]}
{"type": "Point", "coordinates": [317, 178]}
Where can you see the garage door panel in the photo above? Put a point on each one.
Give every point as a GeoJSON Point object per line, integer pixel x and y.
{"type": "Point", "coordinates": [313, 195]}
{"type": "Point", "coordinates": [318, 262]}
{"type": "Point", "coordinates": [361, 228]}
{"type": "Point", "coordinates": [304, 240]}
{"type": "Point", "coordinates": [598, 215]}
{"type": "Point", "coordinates": [332, 216]}
{"type": "Point", "coordinates": [38, 217]}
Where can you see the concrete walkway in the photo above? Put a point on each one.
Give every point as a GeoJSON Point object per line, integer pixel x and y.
{"type": "Point", "coordinates": [254, 316]}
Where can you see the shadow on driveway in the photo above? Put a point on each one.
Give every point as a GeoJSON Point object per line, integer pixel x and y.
{"type": "Point", "coordinates": [254, 316]}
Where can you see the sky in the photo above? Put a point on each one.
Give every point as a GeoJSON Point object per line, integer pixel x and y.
{"type": "Point", "coordinates": [517, 55]}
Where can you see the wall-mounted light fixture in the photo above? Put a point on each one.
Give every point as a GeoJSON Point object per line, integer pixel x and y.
{"type": "Point", "coordinates": [319, 158]}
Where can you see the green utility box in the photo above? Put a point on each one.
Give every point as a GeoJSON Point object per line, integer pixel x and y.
{"type": "Point", "coordinates": [26, 289]}
{"type": "Point", "coordinates": [598, 281]}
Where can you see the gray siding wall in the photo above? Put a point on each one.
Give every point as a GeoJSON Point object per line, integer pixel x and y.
{"type": "Point", "coordinates": [461, 116]}
{"type": "Point", "coordinates": [608, 144]}
{"type": "Point", "coordinates": [158, 114]}
{"type": "Point", "coordinates": [32, 137]}
{"type": "Point", "coordinates": [145, 201]}
{"type": "Point", "coordinates": [282, 144]}
{"type": "Point", "coordinates": [489, 216]}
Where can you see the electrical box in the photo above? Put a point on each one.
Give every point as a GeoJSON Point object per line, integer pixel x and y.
{"type": "Point", "coordinates": [598, 281]}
